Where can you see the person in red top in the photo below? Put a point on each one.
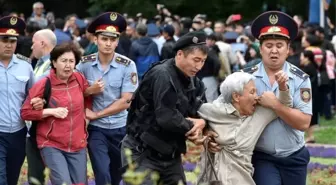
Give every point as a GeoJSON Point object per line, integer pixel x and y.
{"type": "Point", "coordinates": [61, 130]}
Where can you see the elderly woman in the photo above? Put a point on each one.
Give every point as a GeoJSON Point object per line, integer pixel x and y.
{"type": "Point", "coordinates": [238, 120]}
{"type": "Point", "coordinates": [61, 127]}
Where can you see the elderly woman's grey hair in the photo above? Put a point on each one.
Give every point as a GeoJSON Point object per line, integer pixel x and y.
{"type": "Point", "coordinates": [234, 83]}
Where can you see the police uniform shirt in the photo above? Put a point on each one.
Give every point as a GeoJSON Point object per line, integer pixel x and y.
{"type": "Point", "coordinates": [280, 139]}
{"type": "Point", "coordinates": [15, 81]}
{"type": "Point", "coordinates": [119, 77]}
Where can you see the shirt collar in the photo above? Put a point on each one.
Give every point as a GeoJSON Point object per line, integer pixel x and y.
{"type": "Point", "coordinates": [230, 108]}
{"type": "Point", "coordinates": [14, 59]}
{"type": "Point", "coordinates": [113, 63]}
{"type": "Point", "coordinates": [45, 58]}
{"type": "Point", "coordinates": [261, 70]}
{"type": "Point", "coordinates": [185, 79]}
{"type": "Point", "coordinates": [233, 111]}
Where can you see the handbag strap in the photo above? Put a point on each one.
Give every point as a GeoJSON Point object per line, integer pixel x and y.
{"type": "Point", "coordinates": [208, 158]}
{"type": "Point", "coordinates": [206, 145]}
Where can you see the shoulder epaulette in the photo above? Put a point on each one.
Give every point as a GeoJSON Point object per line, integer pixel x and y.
{"type": "Point", "coordinates": [250, 69]}
{"type": "Point", "coordinates": [123, 61]}
{"type": "Point", "coordinates": [298, 72]}
{"type": "Point", "coordinates": [19, 56]}
{"type": "Point", "coordinates": [89, 58]}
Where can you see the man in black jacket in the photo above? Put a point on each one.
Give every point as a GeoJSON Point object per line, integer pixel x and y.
{"type": "Point", "coordinates": [167, 50]}
{"type": "Point", "coordinates": [209, 73]}
{"type": "Point", "coordinates": [163, 113]}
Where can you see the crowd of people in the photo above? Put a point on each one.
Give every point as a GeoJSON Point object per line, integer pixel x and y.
{"type": "Point", "coordinates": [113, 82]}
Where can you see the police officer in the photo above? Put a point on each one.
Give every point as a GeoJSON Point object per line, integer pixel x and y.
{"type": "Point", "coordinates": [163, 112]}
{"type": "Point", "coordinates": [118, 79]}
{"type": "Point", "coordinates": [280, 156]}
{"type": "Point", "coordinates": [16, 77]}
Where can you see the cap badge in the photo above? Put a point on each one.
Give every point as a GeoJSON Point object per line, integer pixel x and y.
{"type": "Point", "coordinates": [11, 31]}
{"type": "Point", "coordinates": [273, 19]}
{"type": "Point", "coordinates": [111, 29]}
{"type": "Point", "coordinates": [13, 21]}
{"type": "Point", "coordinates": [195, 40]}
{"type": "Point", "coordinates": [113, 16]}
{"type": "Point", "coordinates": [273, 29]}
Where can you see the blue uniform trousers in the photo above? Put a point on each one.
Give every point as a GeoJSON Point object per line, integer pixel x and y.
{"type": "Point", "coordinates": [104, 152]}
{"type": "Point", "coordinates": [291, 170]}
{"type": "Point", "coordinates": [12, 154]}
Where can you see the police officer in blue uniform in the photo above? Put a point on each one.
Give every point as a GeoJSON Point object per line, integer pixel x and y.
{"type": "Point", "coordinates": [16, 77]}
{"type": "Point", "coordinates": [116, 75]}
{"type": "Point", "coordinates": [280, 155]}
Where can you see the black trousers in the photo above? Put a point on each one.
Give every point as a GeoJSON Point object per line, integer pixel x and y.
{"type": "Point", "coordinates": [170, 171]}
{"type": "Point", "coordinates": [35, 163]}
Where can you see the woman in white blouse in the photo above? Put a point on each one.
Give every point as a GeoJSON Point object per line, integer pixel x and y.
{"type": "Point", "coordinates": [239, 116]}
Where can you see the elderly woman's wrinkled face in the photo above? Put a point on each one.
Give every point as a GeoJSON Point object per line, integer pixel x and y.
{"type": "Point", "coordinates": [64, 65]}
{"type": "Point", "coordinates": [247, 100]}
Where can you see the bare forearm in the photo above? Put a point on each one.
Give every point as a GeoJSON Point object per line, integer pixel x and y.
{"type": "Point", "coordinates": [293, 117]}
{"type": "Point", "coordinates": [47, 113]}
{"type": "Point", "coordinates": [88, 91]}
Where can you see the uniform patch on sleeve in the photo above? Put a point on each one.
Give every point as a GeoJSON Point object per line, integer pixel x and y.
{"type": "Point", "coordinates": [134, 78]}
{"type": "Point", "coordinates": [305, 94]}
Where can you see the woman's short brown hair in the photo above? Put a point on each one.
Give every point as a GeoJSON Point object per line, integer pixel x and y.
{"type": "Point", "coordinates": [63, 48]}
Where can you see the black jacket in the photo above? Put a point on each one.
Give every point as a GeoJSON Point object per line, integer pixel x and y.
{"type": "Point", "coordinates": [167, 50]}
{"type": "Point", "coordinates": [163, 101]}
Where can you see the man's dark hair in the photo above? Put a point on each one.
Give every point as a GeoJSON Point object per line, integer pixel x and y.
{"type": "Point", "coordinates": [203, 48]}
{"type": "Point", "coordinates": [141, 29]}
{"type": "Point", "coordinates": [32, 27]}
{"type": "Point", "coordinates": [59, 23]}
{"type": "Point", "coordinates": [216, 37]}
{"type": "Point", "coordinates": [212, 36]}
{"type": "Point", "coordinates": [63, 48]}
{"type": "Point", "coordinates": [313, 40]}
{"type": "Point", "coordinates": [311, 57]}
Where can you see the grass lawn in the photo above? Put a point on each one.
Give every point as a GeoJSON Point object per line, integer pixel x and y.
{"type": "Point", "coordinates": [325, 133]}
{"type": "Point", "coordinates": [326, 161]}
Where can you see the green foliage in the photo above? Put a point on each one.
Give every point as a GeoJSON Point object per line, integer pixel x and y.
{"type": "Point", "coordinates": [215, 9]}
{"type": "Point", "coordinates": [131, 7]}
